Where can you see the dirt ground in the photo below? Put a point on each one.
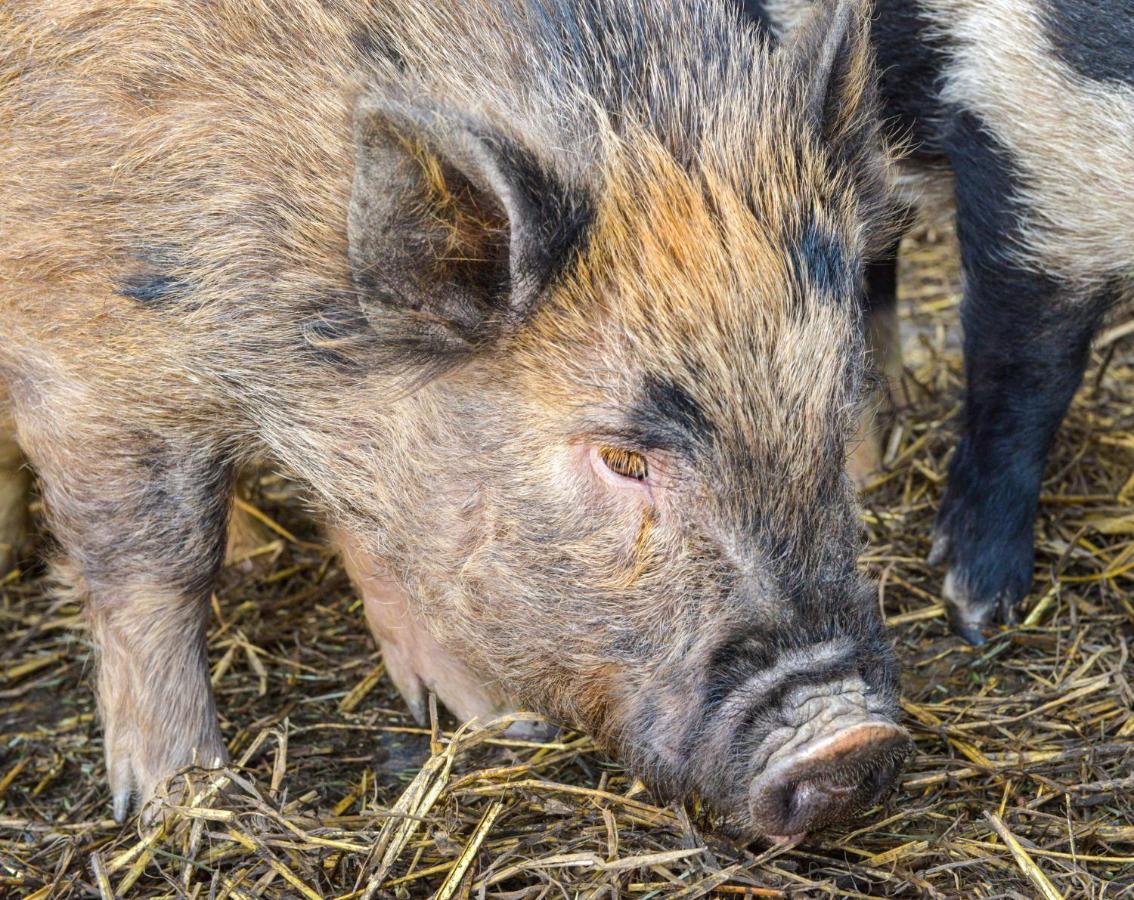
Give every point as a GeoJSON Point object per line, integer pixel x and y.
{"type": "Point", "coordinates": [1022, 784]}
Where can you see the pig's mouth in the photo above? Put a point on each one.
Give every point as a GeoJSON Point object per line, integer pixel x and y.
{"type": "Point", "coordinates": [839, 759]}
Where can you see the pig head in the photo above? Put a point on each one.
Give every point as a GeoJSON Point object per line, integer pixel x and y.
{"type": "Point", "coordinates": [620, 497]}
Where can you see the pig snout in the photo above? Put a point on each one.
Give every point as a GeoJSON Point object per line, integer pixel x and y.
{"type": "Point", "coordinates": [828, 779]}
{"type": "Point", "coordinates": [793, 737]}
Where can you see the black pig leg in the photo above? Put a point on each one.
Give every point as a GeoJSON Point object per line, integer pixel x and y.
{"type": "Point", "coordinates": [1026, 343]}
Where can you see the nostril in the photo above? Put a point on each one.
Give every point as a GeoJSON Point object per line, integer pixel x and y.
{"type": "Point", "coordinates": [830, 780]}
{"type": "Point", "coordinates": [799, 800]}
{"type": "Point", "coordinates": [817, 802]}
{"type": "Point", "coordinates": [810, 799]}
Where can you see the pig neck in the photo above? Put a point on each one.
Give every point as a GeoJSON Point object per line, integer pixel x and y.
{"type": "Point", "coordinates": [385, 467]}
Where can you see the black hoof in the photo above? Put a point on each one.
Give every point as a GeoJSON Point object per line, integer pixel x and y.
{"type": "Point", "coordinates": [985, 581]}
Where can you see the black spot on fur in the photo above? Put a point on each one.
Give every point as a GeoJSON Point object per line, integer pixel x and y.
{"type": "Point", "coordinates": [667, 416]}
{"type": "Point", "coordinates": [1093, 37]}
{"type": "Point", "coordinates": [157, 289]}
{"type": "Point", "coordinates": [820, 260]}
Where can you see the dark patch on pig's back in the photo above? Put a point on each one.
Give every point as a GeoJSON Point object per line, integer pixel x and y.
{"type": "Point", "coordinates": [155, 284]}
{"type": "Point", "coordinates": [1093, 37]}
{"type": "Point", "coordinates": [161, 277]}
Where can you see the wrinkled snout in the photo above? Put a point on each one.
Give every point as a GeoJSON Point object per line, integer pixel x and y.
{"type": "Point", "coordinates": [829, 778]}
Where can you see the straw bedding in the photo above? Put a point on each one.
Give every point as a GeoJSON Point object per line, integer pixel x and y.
{"type": "Point", "coordinates": [1022, 784]}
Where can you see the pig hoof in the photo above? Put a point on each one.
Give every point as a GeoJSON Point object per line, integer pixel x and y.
{"type": "Point", "coordinates": [532, 730]}
{"type": "Point", "coordinates": [971, 610]}
{"type": "Point", "coordinates": [134, 783]}
{"type": "Point", "coordinates": [152, 800]}
{"type": "Point", "coordinates": [120, 805]}
{"type": "Point", "coordinates": [939, 551]}
{"type": "Point", "coordinates": [984, 538]}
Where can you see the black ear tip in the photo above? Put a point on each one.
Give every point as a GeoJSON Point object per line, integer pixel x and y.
{"type": "Point", "coordinates": [833, 50]}
{"type": "Point", "coordinates": [515, 221]}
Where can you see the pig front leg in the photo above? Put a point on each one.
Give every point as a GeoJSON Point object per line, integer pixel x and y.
{"type": "Point", "coordinates": [153, 687]}
{"type": "Point", "coordinates": [1026, 343]}
{"type": "Point", "coordinates": [141, 520]}
{"type": "Point", "coordinates": [884, 364]}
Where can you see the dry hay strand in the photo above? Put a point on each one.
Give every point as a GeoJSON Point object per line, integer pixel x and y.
{"type": "Point", "coordinates": [1022, 784]}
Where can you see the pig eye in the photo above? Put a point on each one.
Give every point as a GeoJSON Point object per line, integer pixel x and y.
{"type": "Point", "coordinates": [626, 463]}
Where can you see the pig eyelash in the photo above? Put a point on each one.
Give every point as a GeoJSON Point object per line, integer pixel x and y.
{"type": "Point", "coordinates": [627, 463]}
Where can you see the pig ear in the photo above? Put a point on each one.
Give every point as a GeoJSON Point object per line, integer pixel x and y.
{"type": "Point", "coordinates": [832, 51]}
{"type": "Point", "coordinates": [454, 229]}
{"type": "Point", "coordinates": [834, 65]}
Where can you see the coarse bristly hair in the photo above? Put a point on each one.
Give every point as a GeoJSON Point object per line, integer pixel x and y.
{"type": "Point", "coordinates": [419, 255]}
